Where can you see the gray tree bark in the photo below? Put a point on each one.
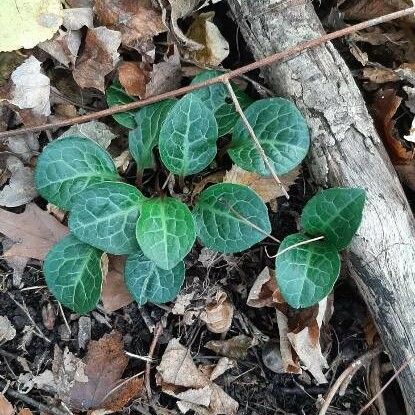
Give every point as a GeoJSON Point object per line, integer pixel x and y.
{"type": "Point", "coordinates": [346, 151]}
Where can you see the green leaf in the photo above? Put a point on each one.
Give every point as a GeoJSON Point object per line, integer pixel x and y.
{"type": "Point", "coordinates": [69, 165]}
{"type": "Point", "coordinates": [116, 95]}
{"type": "Point", "coordinates": [282, 132]}
{"type": "Point", "coordinates": [105, 216]}
{"type": "Point", "coordinates": [149, 283]}
{"type": "Point", "coordinates": [216, 97]}
{"type": "Point", "coordinates": [188, 137]}
{"type": "Point", "coordinates": [231, 218]}
{"type": "Point", "coordinates": [306, 274]}
{"type": "Point", "coordinates": [73, 274]}
{"type": "Point", "coordinates": [143, 138]}
{"type": "Point", "coordinates": [165, 231]}
{"type": "Point", "coordinates": [334, 213]}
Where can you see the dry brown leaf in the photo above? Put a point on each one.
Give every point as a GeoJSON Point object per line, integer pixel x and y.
{"type": "Point", "coordinates": [25, 411]}
{"type": "Point", "coordinates": [165, 76]}
{"type": "Point", "coordinates": [264, 292]}
{"type": "Point", "coordinates": [63, 46]}
{"type": "Point", "coordinates": [105, 363]}
{"type": "Point", "coordinates": [21, 187]}
{"type": "Point", "coordinates": [377, 36]}
{"type": "Point", "coordinates": [215, 46]}
{"type": "Point", "coordinates": [265, 187]}
{"type": "Point", "coordinates": [369, 9]}
{"type": "Point", "coordinates": [6, 408]}
{"type": "Point", "coordinates": [98, 58]}
{"type": "Point", "coordinates": [114, 292]}
{"type": "Point", "coordinates": [137, 21]}
{"type": "Point", "coordinates": [385, 105]}
{"type": "Point", "coordinates": [33, 232]}
{"type": "Point", "coordinates": [30, 88]}
{"type": "Point", "coordinates": [380, 75]}
{"type": "Point", "coordinates": [234, 348]}
{"type": "Point", "coordinates": [218, 314]}
{"type": "Point", "coordinates": [133, 78]}
{"type": "Point", "coordinates": [179, 377]}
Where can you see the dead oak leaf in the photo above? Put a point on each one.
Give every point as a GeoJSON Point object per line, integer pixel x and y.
{"type": "Point", "coordinates": [134, 78]}
{"type": "Point", "coordinates": [98, 58]}
{"type": "Point", "coordinates": [265, 187]}
{"type": "Point", "coordinates": [137, 21]}
{"type": "Point", "coordinates": [33, 232]}
{"type": "Point", "coordinates": [105, 363]}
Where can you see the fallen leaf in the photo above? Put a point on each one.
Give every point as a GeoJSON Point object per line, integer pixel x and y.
{"type": "Point", "coordinates": [166, 75]}
{"type": "Point", "coordinates": [25, 411]}
{"type": "Point", "coordinates": [218, 314]}
{"type": "Point", "coordinates": [105, 363]}
{"type": "Point", "coordinates": [94, 130]}
{"type": "Point", "coordinates": [380, 75]}
{"type": "Point", "coordinates": [215, 47]}
{"type": "Point", "coordinates": [30, 88]}
{"type": "Point", "coordinates": [23, 24]}
{"type": "Point", "coordinates": [182, 302]}
{"type": "Point", "coordinates": [360, 56]}
{"type": "Point", "coordinates": [6, 408]}
{"type": "Point", "coordinates": [63, 46]}
{"type": "Point", "coordinates": [385, 104]}
{"type": "Point", "coordinates": [123, 161]}
{"type": "Point", "coordinates": [264, 292]}
{"type": "Point", "coordinates": [133, 78]}
{"type": "Point", "coordinates": [179, 377]}
{"type": "Point", "coordinates": [137, 20]}
{"type": "Point", "coordinates": [234, 348]}
{"type": "Point", "coordinates": [7, 330]}
{"type": "Point", "coordinates": [265, 187]}
{"type": "Point", "coordinates": [114, 292]}
{"type": "Point", "coordinates": [179, 10]}
{"type": "Point", "coordinates": [25, 146]}
{"type": "Point", "coordinates": [76, 18]}
{"type": "Point", "coordinates": [369, 9]}
{"type": "Point", "coordinates": [21, 187]}
{"type": "Point", "coordinates": [98, 58]}
{"type": "Point", "coordinates": [377, 36]}
{"type": "Point", "coordinates": [33, 232]}
{"type": "Point", "coordinates": [223, 365]}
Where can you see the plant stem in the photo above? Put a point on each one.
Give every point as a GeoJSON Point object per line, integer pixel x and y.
{"type": "Point", "coordinates": [254, 137]}
{"type": "Point", "coordinates": [318, 238]}
{"type": "Point", "coordinates": [269, 60]}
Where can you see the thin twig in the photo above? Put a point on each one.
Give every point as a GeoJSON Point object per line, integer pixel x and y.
{"type": "Point", "coordinates": [395, 375]}
{"type": "Point", "coordinates": [347, 375]}
{"type": "Point", "coordinates": [64, 318]}
{"type": "Point", "coordinates": [269, 60]}
{"type": "Point", "coordinates": [254, 137]}
{"type": "Point", "coordinates": [375, 385]}
{"type": "Point", "coordinates": [157, 334]}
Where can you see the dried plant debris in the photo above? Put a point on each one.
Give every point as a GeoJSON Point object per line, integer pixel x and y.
{"type": "Point", "coordinates": [218, 314]}
{"type": "Point", "coordinates": [179, 377]}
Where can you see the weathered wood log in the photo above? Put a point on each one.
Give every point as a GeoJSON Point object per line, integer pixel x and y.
{"type": "Point", "coordinates": [346, 151]}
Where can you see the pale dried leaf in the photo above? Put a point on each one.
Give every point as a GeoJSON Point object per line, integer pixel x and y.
{"type": "Point", "coordinates": [33, 232]}
{"type": "Point", "coordinates": [234, 348]}
{"type": "Point", "coordinates": [123, 161]}
{"type": "Point", "coordinates": [218, 314]}
{"type": "Point", "coordinates": [23, 24]}
{"type": "Point", "coordinates": [182, 302]}
{"type": "Point", "coordinates": [26, 145]}
{"type": "Point", "coordinates": [21, 188]}
{"type": "Point", "coordinates": [18, 264]}
{"type": "Point", "coordinates": [98, 58]}
{"type": "Point", "coordinates": [262, 292]}
{"type": "Point", "coordinates": [215, 47]}
{"type": "Point", "coordinates": [94, 130]}
{"type": "Point", "coordinates": [265, 187]}
{"type": "Point", "coordinates": [6, 408]}
{"type": "Point", "coordinates": [223, 365]}
{"type": "Point", "coordinates": [77, 17]}
{"type": "Point", "coordinates": [31, 88]}
{"type": "Point", "coordinates": [63, 47]}
{"type": "Point", "coordinates": [7, 330]}
{"type": "Point", "coordinates": [114, 292]}
{"type": "Point", "coordinates": [166, 76]}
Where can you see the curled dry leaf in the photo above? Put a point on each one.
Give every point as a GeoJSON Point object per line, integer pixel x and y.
{"type": "Point", "coordinates": [23, 24]}
{"type": "Point", "coordinates": [264, 186]}
{"type": "Point", "coordinates": [215, 47]}
{"type": "Point", "coordinates": [98, 58]}
{"type": "Point", "coordinates": [179, 377]}
{"type": "Point", "coordinates": [137, 20]}
{"type": "Point", "coordinates": [218, 314]}
{"type": "Point", "coordinates": [133, 78]}
{"type": "Point", "coordinates": [63, 46]}
{"type": "Point", "coordinates": [385, 105]}
{"type": "Point", "coordinates": [114, 292]}
{"type": "Point", "coordinates": [7, 330]}
{"type": "Point", "coordinates": [94, 130]}
{"type": "Point", "coordinates": [234, 348]}
{"type": "Point", "coordinates": [30, 88]}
